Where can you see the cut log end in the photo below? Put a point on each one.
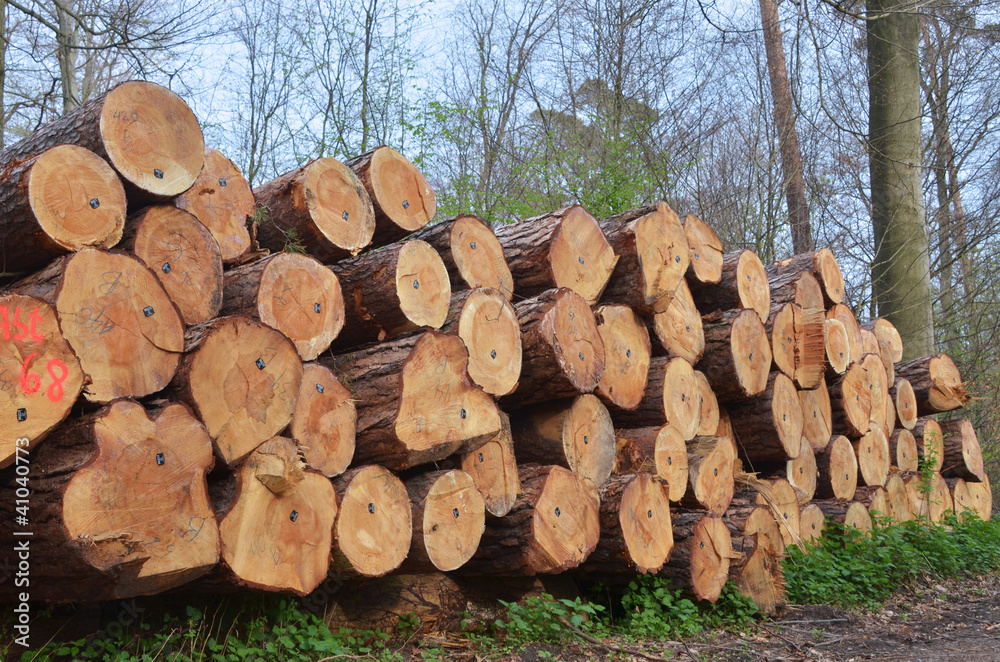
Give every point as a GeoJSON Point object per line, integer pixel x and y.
{"type": "Point", "coordinates": [479, 256]}
{"type": "Point", "coordinates": [374, 530]}
{"type": "Point", "coordinates": [886, 332]}
{"type": "Point", "coordinates": [858, 517]}
{"type": "Point", "coordinates": [708, 420]}
{"type": "Point", "coordinates": [338, 205]}
{"type": "Point", "coordinates": [422, 284]}
{"type": "Point", "coordinates": [451, 519]}
{"type": "Point", "coordinates": [827, 270]}
{"type": "Point", "coordinates": [710, 473]}
{"type": "Point", "coordinates": [851, 400]}
{"type": "Point", "coordinates": [671, 460]}
{"type": "Point", "coordinates": [903, 450]}
{"type": "Point", "coordinates": [752, 284]}
{"type": "Point", "coordinates": [711, 551]}
{"type": "Point", "coordinates": [679, 328]}
{"type": "Point", "coordinates": [872, 451]}
{"type": "Point", "coordinates": [905, 401]}
{"type": "Point", "coordinates": [493, 468]}
{"type": "Point", "coordinates": [681, 392]}
{"type": "Point", "coordinates": [324, 421]}
{"type": "Point", "coordinates": [488, 325]}
{"type": "Point", "coordinates": [838, 470]}
{"type": "Point", "coordinates": [626, 356]}
{"type": "Point", "coordinates": [817, 421]}
{"type": "Point", "coordinates": [664, 257]}
{"type": "Point", "coordinates": [781, 498]}
{"type": "Point", "coordinates": [566, 523]}
{"type": "Point", "coordinates": [580, 256]}
{"type": "Point", "coordinates": [399, 191]}
{"type": "Point", "coordinates": [838, 347]}
{"type": "Point", "coordinates": [963, 457]}
{"type": "Point", "coordinates": [936, 382]}
{"type": "Point", "coordinates": [930, 443]}
{"type": "Point", "coordinates": [644, 518]}
{"type": "Point", "coordinates": [812, 521]}
{"type": "Point", "coordinates": [801, 472]}
{"type": "Point", "coordinates": [705, 250]}
{"type": "Point", "coordinates": [277, 464]}
{"type": "Point", "coordinates": [854, 342]}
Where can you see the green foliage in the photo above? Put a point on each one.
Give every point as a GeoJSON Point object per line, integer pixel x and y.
{"type": "Point", "coordinates": [542, 619]}
{"type": "Point", "coordinates": [657, 610]}
{"type": "Point", "coordinates": [848, 569]}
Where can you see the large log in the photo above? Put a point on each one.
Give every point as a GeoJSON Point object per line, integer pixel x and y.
{"type": "Point", "coordinates": [963, 458]}
{"type": "Point", "coordinates": [449, 516]}
{"type": "Point", "coordinates": [873, 458]}
{"type": "Point", "coordinates": [737, 356]}
{"type": "Point", "coordinates": [679, 328]}
{"type": "Point", "coordinates": [930, 443]}
{"type": "Point", "coordinates": [222, 200]}
{"type": "Point", "coordinates": [146, 132]}
{"type": "Point", "coordinates": [846, 317]}
{"type": "Point", "coordinates": [493, 468]}
{"type": "Point", "coordinates": [905, 401]}
{"type": "Point", "coordinates": [671, 396]}
{"type": "Point", "coordinates": [886, 332]}
{"type": "Point", "coordinates": [850, 402]}
{"type": "Point", "coordinates": [321, 207]}
{"type": "Point", "coordinates": [936, 383]}
{"type": "Point", "coordinates": [576, 434]}
{"type": "Point", "coordinates": [652, 255]}
{"type": "Point", "coordinates": [769, 427]}
{"type": "Point", "coordinates": [626, 356]}
{"type": "Point", "coordinates": [903, 451]}
{"type": "Point", "coordinates": [118, 319]}
{"type": "Point", "coordinates": [817, 415]}
{"type": "Point", "coordinates": [743, 285]}
{"type": "Point", "coordinates": [242, 379]}
{"type": "Point", "coordinates": [471, 253]}
{"type": "Point", "coordinates": [636, 535]}
{"type": "Point", "coordinates": [838, 347]}
{"type": "Point", "coordinates": [276, 533]}
{"type": "Point", "coordinates": [374, 528]}
{"type": "Point", "coordinates": [660, 450]}
{"type": "Point", "coordinates": [563, 353]}
{"type": "Point", "coordinates": [40, 376]}
{"type": "Point", "coordinates": [292, 293]}
{"type": "Point", "coordinates": [324, 421]}
{"type": "Point", "coordinates": [46, 215]}
{"type": "Point", "coordinates": [837, 467]}
{"type": "Point", "coordinates": [702, 552]}
{"type": "Point", "coordinates": [487, 324]}
{"type": "Point", "coordinates": [118, 505]}
{"type": "Point", "coordinates": [403, 200]}
{"type": "Point", "coordinates": [705, 249]}
{"type": "Point", "coordinates": [823, 265]}
{"type": "Point", "coordinates": [183, 255]}
{"type": "Point", "coordinates": [563, 248]}
{"type": "Point", "coordinates": [415, 401]}
{"type": "Point", "coordinates": [392, 290]}
{"type": "Point", "coordinates": [710, 474]}
{"type": "Point", "coordinates": [554, 526]}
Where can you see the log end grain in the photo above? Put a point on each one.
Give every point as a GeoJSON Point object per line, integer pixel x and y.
{"type": "Point", "coordinates": [905, 401]}
{"type": "Point", "coordinates": [663, 253]}
{"type": "Point", "coordinates": [963, 457]}
{"type": "Point", "coordinates": [711, 551]}
{"type": "Point", "coordinates": [752, 284]}
{"type": "Point", "coordinates": [705, 249]}
{"type": "Point", "coordinates": [493, 468]}
{"type": "Point", "coordinates": [580, 256]}
{"type": "Point", "coordinates": [812, 522]}
{"type": "Point", "coordinates": [838, 467]}
{"type": "Point", "coordinates": [846, 316]}
{"type": "Point", "coordinates": [827, 271]}
{"type": "Point", "coordinates": [644, 518]}
{"type": "Point", "coordinates": [565, 523]}
{"type": "Point", "coordinates": [679, 328]}
{"type": "Point", "coordinates": [872, 451]}
{"type": "Point", "coordinates": [627, 352]}
{"type": "Point", "coordinates": [338, 205]}
{"type": "Point", "coordinates": [373, 532]}
{"type": "Point", "coordinates": [903, 450]}
{"type": "Point", "coordinates": [750, 351]}
{"type": "Point", "coordinates": [708, 419]}
{"type": "Point", "coordinates": [681, 397]}
{"type": "Point", "coordinates": [488, 325]}
{"type": "Point", "coordinates": [837, 345]}
{"type": "Point", "coordinates": [422, 285]}
{"type": "Point", "coordinates": [479, 257]}
{"type": "Point", "coordinates": [324, 421]}
{"type": "Point", "coordinates": [399, 191]}
{"type": "Point", "coordinates": [452, 522]}
{"type": "Point", "coordinates": [817, 417]}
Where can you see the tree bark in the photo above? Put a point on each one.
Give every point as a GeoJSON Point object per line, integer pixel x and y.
{"type": "Point", "coordinates": [660, 450]}
{"type": "Point", "coordinates": [823, 265]}
{"type": "Point", "coordinates": [769, 426]}
{"type": "Point", "coordinates": [963, 458]}
{"type": "Point", "coordinates": [936, 383]}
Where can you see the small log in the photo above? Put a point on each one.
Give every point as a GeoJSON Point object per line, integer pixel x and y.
{"type": "Point", "coordinates": [838, 347]}
{"type": "Point", "coordinates": [905, 401]}
{"type": "Point", "coordinates": [242, 379]}
{"type": "Point", "coordinates": [626, 356]}
{"type": "Point", "coordinates": [563, 354]}
{"type": "Point", "coordinates": [823, 265]}
{"type": "Point", "coordinates": [769, 427]}
{"type": "Point", "coordinates": [846, 317]}
{"type": "Point", "coordinates": [850, 402]}
{"type": "Point", "coordinates": [812, 522]}
{"type": "Point", "coordinates": [116, 317]}
{"type": "Point", "coordinates": [903, 450]}
{"type": "Point", "coordinates": [936, 383]}
{"type": "Point", "coordinates": [40, 376]}
{"type": "Point", "coordinates": [930, 443]}
{"type": "Point", "coordinates": [652, 255]}
{"type": "Point", "coordinates": [837, 468]}
{"type": "Point", "coordinates": [797, 343]}
{"type": "Point", "coordinates": [576, 434]}
{"type": "Point", "coordinates": [553, 526]}
{"type": "Point", "coordinates": [277, 464]}
{"type": "Point", "coordinates": [324, 421]}
{"type": "Point", "coordinates": [869, 342]}
{"type": "Point", "coordinates": [878, 389]}
{"type": "Point", "coordinates": [321, 206]}
{"type": "Point", "coordinates": [710, 474]}
{"type": "Point", "coordinates": [963, 457]}
{"type": "Point", "coordinates": [404, 202]}
{"type": "Point", "coordinates": [146, 132]}
{"type": "Point", "coordinates": [708, 419]}
{"type": "Point", "coordinates": [493, 468]}
{"type": "Point", "coordinates": [45, 216]}
{"type": "Point", "coordinates": [705, 249]}
{"type": "Point", "coordinates": [222, 200]}
{"type": "Point", "coordinates": [780, 497]}
{"type": "Point", "coordinates": [392, 290]}
{"type": "Point", "coordinates": [817, 416]}
{"type": "Point", "coordinates": [292, 293]}
{"type": "Point", "coordinates": [471, 253]}
{"type": "Point", "coordinates": [563, 248]}
{"type": "Point", "coordinates": [449, 516]}
{"type": "Point", "coordinates": [636, 535]}
{"type": "Point", "coordinates": [374, 529]}
{"type": "Point", "coordinates": [737, 359]}
{"type": "Point", "coordinates": [756, 569]}
{"type": "Point", "coordinates": [885, 353]}
{"type": "Point", "coordinates": [660, 450]}
{"type": "Point", "coordinates": [982, 494]}
{"type": "Point", "coordinates": [873, 458]}
{"type": "Point", "coordinates": [781, 331]}
{"type": "Point", "coordinates": [886, 332]}
{"type": "Point", "coordinates": [930, 501]}
{"type": "Point", "coordinates": [671, 396]}
{"type": "Point", "coordinates": [278, 540]}
{"type": "Point", "coordinates": [800, 472]}
{"type": "Point", "coordinates": [679, 329]}
{"type": "Point", "coordinates": [747, 519]}
{"type": "Point", "coordinates": [876, 499]}
{"type": "Point", "coordinates": [962, 498]}
{"type": "Point", "coordinates": [848, 513]}
{"type": "Point", "coordinates": [119, 506]}
{"type": "Point", "coordinates": [743, 285]}
{"type": "Point", "coordinates": [183, 255]}
{"type": "Point", "coordinates": [487, 324]}
{"type": "Point", "coordinates": [702, 553]}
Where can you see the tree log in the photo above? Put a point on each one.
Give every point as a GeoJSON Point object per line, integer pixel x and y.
{"type": "Point", "coordinates": [493, 468]}
{"type": "Point", "coordinates": [702, 552]}
{"type": "Point", "coordinates": [146, 132]}
{"type": "Point", "coordinates": [708, 419]}
{"type": "Point", "coordinates": [850, 402]}
{"type": "Point", "coordinates": [415, 401]}
{"type": "Point", "coordinates": [404, 202]}
{"type": "Point", "coordinates": [743, 285]}
{"type": "Point", "coordinates": [838, 347]}
{"type": "Point", "coordinates": [449, 516]}
{"type": "Point", "coordinates": [563, 354]}
{"type": "Point", "coordinates": [747, 519]}
{"type": "Point", "coordinates": [837, 468]}
{"type": "Point", "coordinates": [846, 317]}
{"type": "Point", "coordinates": [40, 376]}
{"type": "Point", "coordinates": [878, 388]}
{"type": "Point", "coordinates": [737, 356]}
{"type": "Point", "coordinates": [471, 253]}
{"type": "Point", "coordinates": [936, 383]}
{"type": "Point", "coordinates": [781, 498]}
{"type": "Point", "coordinates": [652, 255]}
{"type": "Point", "coordinates": [563, 248]}
{"type": "Point", "coordinates": [373, 532]}
{"type": "Point", "coordinates": [119, 505]}
{"type": "Point", "coordinates": [292, 293]}
{"type": "Point", "coordinates": [982, 493]}
{"type": "Point", "coordinates": [797, 343]}
{"type": "Point", "coordinates": [626, 356]}
{"type": "Point", "coordinates": [800, 288]}
{"type": "Point", "coordinates": [963, 458]}
{"type": "Point", "coordinates": [873, 457]}
{"type": "Point", "coordinates": [876, 500]}
{"type": "Point", "coordinates": [769, 427]}
{"type": "Point", "coordinates": [903, 450]}
{"type": "Point", "coordinates": [183, 255]}
{"type": "Point", "coordinates": [576, 434]}
{"type": "Point", "coordinates": [671, 396]}
{"type": "Point", "coordinates": [817, 416]}
{"type": "Point", "coordinates": [931, 501]}
{"type": "Point", "coordinates": [710, 474]}
{"type": "Point", "coordinates": [324, 421]}
{"type": "Point", "coordinates": [553, 526]}
{"type": "Point", "coordinates": [930, 443]}
{"type": "Point", "coordinates": [886, 332]}
{"type": "Point", "coordinates": [705, 249]}
{"type": "Point", "coordinates": [971, 499]}
{"type": "Point", "coordinates": [118, 319]}
{"type": "Point", "coordinates": [800, 471]}
{"type": "Point", "coordinates": [905, 401]}
{"type": "Point", "coordinates": [823, 265]}
{"type": "Point", "coordinates": [487, 324]}
{"type": "Point", "coordinates": [45, 216]}
{"type": "Point", "coordinates": [757, 572]}
{"type": "Point", "coordinates": [242, 379]}
{"type": "Point", "coordinates": [679, 328]}
{"type": "Point", "coordinates": [222, 200]}
{"type": "Point", "coordinates": [848, 513]}
{"type": "Point", "coordinates": [660, 450]}
{"type": "Point", "coordinates": [811, 523]}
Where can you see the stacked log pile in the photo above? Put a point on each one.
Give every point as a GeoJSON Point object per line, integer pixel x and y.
{"type": "Point", "coordinates": [198, 392]}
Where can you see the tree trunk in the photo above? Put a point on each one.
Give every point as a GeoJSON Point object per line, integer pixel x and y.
{"type": "Point", "coordinates": [743, 285]}
{"type": "Point", "coordinates": [403, 200]}
{"type": "Point", "coordinates": [626, 356]}
{"type": "Point", "coordinates": [45, 215]}
{"type": "Point", "coordinates": [679, 329]}
{"type": "Point", "coordinates": [449, 517]}
{"type": "Point", "coordinates": [487, 324]}
{"type": "Point", "coordinates": [837, 468]}
{"type": "Point", "coordinates": [660, 450]}
{"type": "Point", "coordinates": [769, 426]}
{"type": "Point", "coordinates": [705, 249]}
{"type": "Point", "coordinates": [374, 529]}
{"type": "Point", "coordinates": [324, 421]}
{"type": "Point", "coordinates": [471, 253]}
{"type": "Point", "coordinates": [963, 458]}
{"type": "Point", "coordinates": [936, 383]}
{"type": "Point", "coordinates": [823, 265]}
{"type": "Point", "coordinates": [737, 358]}
{"type": "Point", "coordinates": [817, 416]}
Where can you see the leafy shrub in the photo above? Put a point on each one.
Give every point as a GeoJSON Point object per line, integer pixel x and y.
{"type": "Point", "coordinates": [657, 610]}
